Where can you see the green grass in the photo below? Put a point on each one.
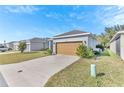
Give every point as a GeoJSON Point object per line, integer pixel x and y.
{"type": "Point", "coordinates": [110, 73]}
{"type": "Point", "coordinates": [105, 53]}
{"type": "Point", "coordinates": [19, 57]}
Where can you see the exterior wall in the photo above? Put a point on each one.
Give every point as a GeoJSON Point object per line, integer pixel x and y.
{"type": "Point", "coordinates": [113, 46]}
{"type": "Point", "coordinates": [54, 47]}
{"type": "Point", "coordinates": [122, 46]}
{"type": "Point", "coordinates": [92, 43]}
{"type": "Point", "coordinates": [10, 45]}
{"type": "Point", "coordinates": [1, 45]}
{"type": "Point", "coordinates": [46, 44]}
{"type": "Point", "coordinates": [28, 47]}
{"type": "Point", "coordinates": [15, 45]}
{"type": "Point", "coordinates": [38, 44]}
{"type": "Point", "coordinates": [71, 39]}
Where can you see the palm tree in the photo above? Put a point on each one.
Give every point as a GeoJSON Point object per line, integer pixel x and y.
{"type": "Point", "coordinates": [103, 39]}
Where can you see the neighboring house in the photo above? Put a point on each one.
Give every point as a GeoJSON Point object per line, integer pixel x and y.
{"type": "Point", "coordinates": [10, 45]}
{"type": "Point", "coordinates": [34, 44]}
{"type": "Point", "coordinates": [15, 45]}
{"type": "Point", "coordinates": [68, 42]}
{"type": "Point", "coordinates": [1, 45]}
{"type": "Point", "coordinates": [117, 44]}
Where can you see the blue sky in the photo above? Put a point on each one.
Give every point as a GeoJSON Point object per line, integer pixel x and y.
{"type": "Point", "coordinates": [24, 22]}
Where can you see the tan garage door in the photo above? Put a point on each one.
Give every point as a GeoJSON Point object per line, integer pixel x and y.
{"type": "Point", "coordinates": [67, 48]}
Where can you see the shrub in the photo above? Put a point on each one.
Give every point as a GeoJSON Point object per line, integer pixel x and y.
{"type": "Point", "coordinates": [85, 52]}
{"type": "Point", "coordinates": [105, 53]}
{"type": "Point", "coordinates": [49, 51]}
{"type": "Point", "coordinates": [81, 50]}
{"type": "Point", "coordinates": [9, 49]}
{"type": "Point", "coordinates": [22, 46]}
{"type": "Point", "coordinates": [2, 50]}
{"type": "Point", "coordinates": [96, 52]}
{"type": "Point", "coordinates": [90, 53]}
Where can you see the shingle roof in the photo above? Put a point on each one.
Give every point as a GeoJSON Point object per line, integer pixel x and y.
{"type": "Point", "coordinates": [73, 32]}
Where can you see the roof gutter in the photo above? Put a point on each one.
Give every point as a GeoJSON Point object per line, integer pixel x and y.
{"type": "Point", "coordinates": [71, 35]}
{"type": "Point", "coordinates": [116, 35]}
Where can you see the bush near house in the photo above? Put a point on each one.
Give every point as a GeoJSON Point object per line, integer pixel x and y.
{"type": "Point", "coordinates": [49, 51]}
{"type": "Point", "coordinates": [105, 53]}
{"type": "Point", "coordinates": [97, 53]}
{"type": "Point", "coordinates": [85, 52]}
{"type": "Point", "coordinates": [22, 46]}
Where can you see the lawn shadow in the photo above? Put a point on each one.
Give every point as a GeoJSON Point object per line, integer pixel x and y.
{"type": "Point", "coordinates": [100, 74]}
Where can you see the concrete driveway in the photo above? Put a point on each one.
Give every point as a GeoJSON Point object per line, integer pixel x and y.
{"type": "Point", "coordinates": [35, 73]}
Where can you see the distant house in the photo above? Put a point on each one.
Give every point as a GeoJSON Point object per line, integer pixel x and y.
{"type": "Point", "coordinates": [68, 42]}
{"type": "Point", "coordinates": [10, 45]}
{"type": "Point", "coordinates": [1, 45]}
{"type": "Point", "coordinates": [34, 44]}
{"type": "Point", "coordinates": [117, 44]}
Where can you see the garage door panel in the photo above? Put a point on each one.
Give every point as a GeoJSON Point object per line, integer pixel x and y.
{"type": "Point", "coordinates": [68, 48]}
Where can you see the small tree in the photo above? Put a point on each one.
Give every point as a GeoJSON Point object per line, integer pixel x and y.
{"type": "Point", "coordinates": [22, 46]}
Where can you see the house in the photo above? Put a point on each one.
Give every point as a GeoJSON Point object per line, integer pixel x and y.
{"type": "Point", "coordinates": [10, 45]}
{"type": "Point", "coordinates": [117, 44]}
{"type": "Point", "coordinates": [15, 45]}
{"type": "Point", "coordinates": [34, 44]}
{"type": "Point", "coordinates": [1, 45]}
{"type": "Point", "coordinates": [68, 42]}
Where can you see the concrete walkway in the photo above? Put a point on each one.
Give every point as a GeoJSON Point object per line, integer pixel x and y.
{"type": "Point", "coordinates": [35, 73]}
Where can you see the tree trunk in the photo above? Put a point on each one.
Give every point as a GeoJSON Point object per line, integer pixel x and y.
{"type": "Point", "coordinates": [21, 51]}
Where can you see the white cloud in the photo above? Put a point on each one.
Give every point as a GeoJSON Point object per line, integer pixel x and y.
{"type": "Point", "coordinates": [21, 9]}
{"type": "Point", "coordinates": [77, 16]}
{"type": "Point", "coordinates": [76, 7]}
{"type": "Point", "coordinates": [55, 15]}
{"type": "Point", "coordinates": [111, 15]}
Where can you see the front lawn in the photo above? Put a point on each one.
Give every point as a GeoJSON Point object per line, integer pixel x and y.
{"type": "Point", "coordinates": [110, 72]}
{"type": "Point", "coordinates": [19, 57]}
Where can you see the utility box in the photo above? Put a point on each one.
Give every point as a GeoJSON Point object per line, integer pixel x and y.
{"type": "Point", "coordinates": [93, 70]}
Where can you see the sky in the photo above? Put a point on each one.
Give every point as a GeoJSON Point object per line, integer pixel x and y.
{"type": "Point", "coordinates": [25, 22]}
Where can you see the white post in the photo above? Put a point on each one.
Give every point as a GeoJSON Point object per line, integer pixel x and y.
{"type": "Point", "coordinates": [93, 70]}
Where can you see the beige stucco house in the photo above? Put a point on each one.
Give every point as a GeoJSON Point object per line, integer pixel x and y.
{"type": "Point", "coordinates": [67, 43]}
{"type": "Point", "coordinates": [117, 44]}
